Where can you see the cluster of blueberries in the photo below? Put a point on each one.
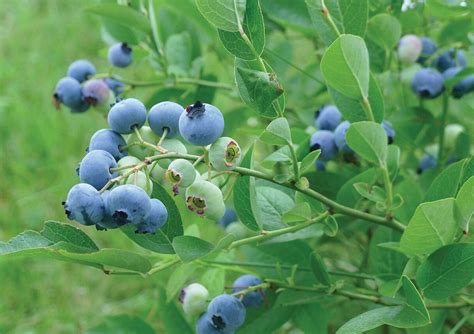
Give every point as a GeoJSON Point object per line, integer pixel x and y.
{"type": "Point", "coordinates": [129, 164]}
{"type": "Point", "coordinates": [79, 90]}
{"type": "Point", "coordinates": [331, 134]}
{"type": "Point", "coordinates": [428, 83]}
{"type": "Point", "coordinates": [225, 313]}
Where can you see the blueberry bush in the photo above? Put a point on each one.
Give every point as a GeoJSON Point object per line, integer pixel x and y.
{"type": "Point", "coordinates": [281, 166]}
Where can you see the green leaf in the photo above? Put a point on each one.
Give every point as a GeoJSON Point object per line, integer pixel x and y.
{"type": "Point", "coordinates": [254, 28]}
{"type": "Point", "coordinates": [277, 132]}
{"type": "Point", "coordinates": [446, 271]}
{"type": "Point", "coordinates": [319, 269]}
{"type": "Point", "coordinates": [123, 323]}
{"type": "Point", "coordinates": [331, 227]}
{"type": "Point", "coordinates": [245, 195]}
{"type": "Point", "coordinates": [178, 279]}
{"type": "Point", "coordinates": [224, 14]}
{"type": "Point", "coordinates": [282, 155]}
{"type": "Point", "coordinates": [349, 16]}
{"type": "Point", "coordinates": [291, 14]}
{"type": "Point", "coordinates": [369, 140]}
{"type": "Point", "coordinates": [56, 232]}
{"type": "Point", "coordinates": [385, 263]}
{"type": "Point", "coordinates": [214, 280]}
{"type": "Point", "coordinates": [257, 89]}
{"type": "Point", "coordinates": [308, 162]}
{"type": "Point", "coordinates": [160, 242]}
{"type": "Point", "coordinates": [352, 109]}
{"type": "Point", "coordinates": [464, 208]}
{"type": "Point", "coordinates": [272, 202]}
{"type": "Point", "coordinates": [300, 212]}
{"type": "Point", "coordinates": [172, 320]}
{"type": "Point", "coordinates": [447, 9]}
{"type": "Point", "coordinates": [345, 66]}
{"type": "Point", "coordinates": [190, 248]}
{"type": "Point", "coordinates": [311, 318]}
{"type": "Point", "coordinates": [178, 54]}
{"type": "Point", "coordinates": [410, 315]}
{"type": "Point", "coordinates": [269, 321]}
{"type": "Point", "coordinates": [432, 226]}
{"type": "Point", "coordinates": [384, 30]}
{"type": "Point", "coordinates": [448, 182]}
{"type": "Point", "coordinates": [348, 195]}
{"type": "Point", "coordinates": [122, 15]}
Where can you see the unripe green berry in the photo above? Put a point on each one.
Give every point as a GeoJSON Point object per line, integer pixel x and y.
{"type": "Point", "coordinates": [127, 161]}
{"type": "Point", "coordinates": [139, 151]}
{"type": "Point", "coordinates": [140, 180]}
{"type": "Point", "coordinates": [225, 154]}
{"type": "Point", "coordinates": [172, 145]}
{"type": "Point", "coordinates": [194, 299]}
{"type": "Point", "coordinates": [180, 173]}
{"type": "Point", "coordinates": [451, 133]}
{"type": "Point", "coordinates": [237, 229]}
{"type": "Point", "coordinates": [205, 199]}
{"type": "Point", "coordinates": [157, 173]}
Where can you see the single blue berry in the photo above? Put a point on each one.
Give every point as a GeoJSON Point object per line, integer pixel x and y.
{"type": "Point", "coordinates": [201, 124]}
{"type": "Point", "coordinates": [110, 141]}
{"type": "Point", "coordinates": [115, 86]}
{"type": "Point", "coordinates": [95, 168]}
{"type": "Point", "coordinates": [324, 140]}
{"type": "Point", "coordinates": [155, 219]}
{"type": "Point", "coordinates": [230, 216]}
{"type": "Point", "coordinates": [95, 92]}
{"type": "Point", "coordinates": [426, 162]}
{"type": "Point", "coordinates": [340, 137]}
{"type": "Point", "coordinates": [428, 48]}
{"type": "Point", "coordinates": [328, 118]}
{"type": "Point", "coordinates": [464, 86]}
{"type": "Point", "coordinates": [389, 130]}
{"type": "Point", "coordinates": [81, 70]}
{"type": "Point", "coordinates": [204, 326]}
{"type": "Point", "coordinates": [427, 83]}
{"type": "Point", "coordinates": [450, 58]}
{"type": "Point", "coordinates": [165, 115]}
{"type": "Point", "coordinates": [226, 313]}
{"type": "Point", "coordinates": [252, 298]}
{"type": "Point", "coordinates": [409, 49]}
{"type": "Point", "coordinates": [128, 204]}
{"type": "Point", "coordinates": [127, 114]}
{"type": "Point", "coordinates": [107, 222]}
{"type": "Point", "coordinates": [120, 55]}
{"type": "Point", "coordinates": [68, 92]}
{"type": "Point", "coordinates": [84, 205]}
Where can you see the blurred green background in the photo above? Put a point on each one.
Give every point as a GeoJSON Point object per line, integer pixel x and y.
{"type": "Point", "coordinates": [40, 148]}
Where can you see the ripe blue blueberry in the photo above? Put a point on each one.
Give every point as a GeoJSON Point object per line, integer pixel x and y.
{"type": "Point", "coordinates": [253, 298]}
{"type": "Point", "coordinates": [84, 205]}
{"type": "Point", "coordinates": [68, 92]}
{"type": "Point", "coordinates": [115, 86]}
{"type": "Point", "coordinates": [324, 140]}
{"type": "Point", "coordinates": [450, 58]}
{"type": "Point", "coordinates": [428, 47]}
{"type": "Point", "coordinates": [226, 313]}
{"type": "Point", "coordinates": [95, 92]}
{"type": "Point", "coordinates": [201, 124]}
{"type": "Point", "coordinates": [128, 204]}
{"type": "Point", "coordinates": [426, 162]}
{"type": "Point", "coordinates": [389, 130]}
{"type": "Point", "coordinates": [120, 55]}
{"type": "Point", "coordinates": [204, 326]}
{"type": "Point", "coordinates": [81, 70]}
{"type": "Point", "coordinates": [230, 216]}
{"type": "Point", "coordinates": [194, 299]}
{"type": "Point", "coordinates": [95, 168]}
{"type": "Point", "coordinates": [110, 141]}
{"type": "Point", "coordinates": [427, 83]}
{"type": "Point", "coordinates": [409, 49]}
{"type": "Point", "coordinates": [464, 86]}
{"type": "Point", "coordinates": [155, 219]}
{"type": "Point", "coordinates": [165, 115]}
{"type": "Point", "coordinates": [127, 114]}
{"type": "Point", "coordinates": [107, 222]}
{"type": "Point", "coordinates": [328, 118]}
{"type": "Point", "coordinates": [340, 137]}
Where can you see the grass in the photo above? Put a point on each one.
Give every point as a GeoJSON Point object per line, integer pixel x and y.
{"type": "Point", "coordinates": [40, 148]}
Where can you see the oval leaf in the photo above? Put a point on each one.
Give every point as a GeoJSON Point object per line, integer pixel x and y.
{"type": "Point", "coordinates": [224, 14]}
{"type": "Point", "coordinates": [369, 140]}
